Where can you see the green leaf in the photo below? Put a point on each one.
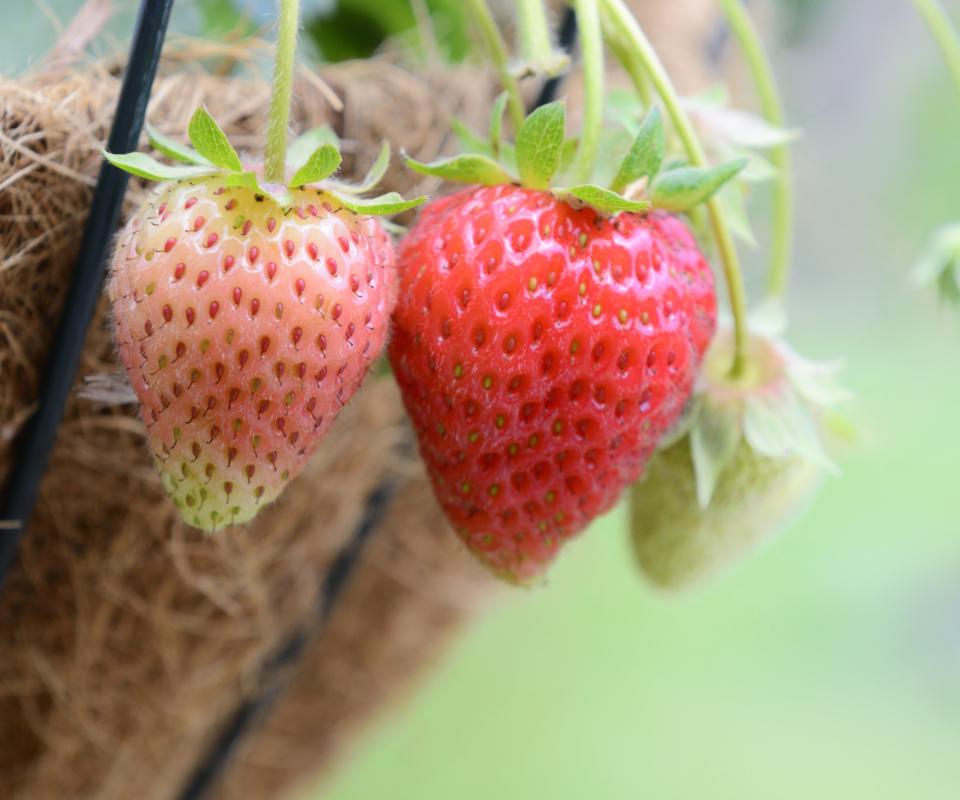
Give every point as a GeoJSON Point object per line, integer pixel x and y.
{"type": "Point", "coordinates": [303, 146]}
{"type": "Point", "coordinates": [732, 201]}
{"type": "Point", "coordinates": [540, 144]}
{"type": "Point", "coordinates": [685, 187]}
{"type": "Point", "coordinates": [646, 153]}
{"type": "Point", "coordinates": [496, 123]}
{"type": "Point", "coordinates": [568, 153]}
{"type": "Point", "coordinates": [817, 382]}
{"type": "Point", "coordinates": [384, 205]}
{"type": "Point", "coordinates": [467, 140]}
{"type": "Point", "coordinates": [467, 168]}
{"type": "Point", "coordinates": [371, 179]}
{"type": "Point", "coordinates": [741, 128]}
{"type": "Point", "coordinates": [145, 166]}
{"type": "Point", "coordinates": [948, 284]}
{"type": "Point", "coordinates": [940, 264]}
{"type": "Point", "coordinates": [780, 426]}
{"type": "Point", "coordinates": [758, 170]}
{"type": "Point", "coordinates": [211, 142]}
{"type": "Point", "coordinates": [322, 163]}
{"type": "Point", "coordinates": [377, 170]}
{"type": "Point", "coordinates": [173, 149]}
{"type": "Point", "coordinates": [683, 426]}
{"type": "Point", "coordinates": [713, 442]}
{"type": "Point", "coordinates": [601, 199]}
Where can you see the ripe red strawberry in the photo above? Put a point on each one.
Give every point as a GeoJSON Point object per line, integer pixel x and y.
{"type": "Point", "coordinates": [542, 351]}
{"type": "Point", "coordinates": [247, 315]}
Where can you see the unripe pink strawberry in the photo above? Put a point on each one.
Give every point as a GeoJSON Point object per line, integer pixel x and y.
{"type": "Point", "coordinates": [244, 332]}
{"type": "Point", "coordinates": [247, 315]}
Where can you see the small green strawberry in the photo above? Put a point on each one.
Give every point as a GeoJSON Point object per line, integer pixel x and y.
{"type": "Point", "coordinates": [678, 542]}
{"type": "Point", "coordinates": [744, 462]}
{"type": "Point", "coordinates": [247, 314]}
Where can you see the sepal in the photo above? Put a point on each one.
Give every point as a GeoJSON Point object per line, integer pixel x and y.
{"type": "Point", "coordinates": [940, 264]}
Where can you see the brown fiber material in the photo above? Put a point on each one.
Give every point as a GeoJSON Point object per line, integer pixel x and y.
{"type": "Point", "coordinates": [126, 637]}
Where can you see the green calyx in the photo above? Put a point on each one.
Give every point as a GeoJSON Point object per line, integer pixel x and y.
{"type": "Point", "coordinates": [779, 408]}
{"type": "Point", "coordinates": [940, 264]}
{"type": "Point", "coordinates": [542, 156]}
{"type": "Point", "coordinates": [314, 159]}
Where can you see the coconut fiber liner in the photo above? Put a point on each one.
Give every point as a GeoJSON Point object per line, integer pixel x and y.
{"type": "Point", "coordinates": [127, 638]}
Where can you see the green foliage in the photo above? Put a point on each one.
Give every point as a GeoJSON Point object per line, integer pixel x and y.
{"type": "Point", "coordinates": [602, 199]}
{"type": "Point", "coordinates": [683, 188]}
{"type": "Point", "coordinates": [646, 153]}
{"type": "Point", "coordinates": [212, 154]}
{"type": "Point", "coordinates": [301, 147]}
{"type": "Point", "coordinates": [209, 140]}
{"type": "Point", "coordinates": [144, 166]}
{"type": "Point", "coordinates": [466, 168]}
{"type": "Point", "coordinates": [322, 163]}
{"type": "Point", "coordinates": [172, 149]}
{"type": "Point", "coordinates": [940, 264]}
{"type": "Point", "coordinates": [540, 145]}
{"type": "Point", "coordinates": [221, 17]}
{"type": "Point", "coordinates": [357, 28]}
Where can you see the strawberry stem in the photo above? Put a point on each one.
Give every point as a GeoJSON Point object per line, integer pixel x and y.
{"type": "Point", "coordinates": [758, 63]}
{"type": "Point", "coordinates": [591, 46]}
{"type": "Point", "coordinates": [532, 31]}
{"type": "Point", "coordinates": [621, 19]}
{"type": "Point", "coordinates": [625, 56]}
{"type": "Point", "coordinates": [275, 156]}
{"type": "Point", "coordinates": [498, 53]}
{"type": "Point", "coordinates": [944, 32]}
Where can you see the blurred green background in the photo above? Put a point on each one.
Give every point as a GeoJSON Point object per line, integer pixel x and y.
{"type": "Point", "coordinates": [828, 665]}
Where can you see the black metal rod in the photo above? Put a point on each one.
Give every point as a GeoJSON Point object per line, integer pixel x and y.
{"type": "Point", "coordinates": [565, 40]}
{"type": "Point", "coordinates": [33, 447]}
{"type": "Point", "coordinates": [278, 668]}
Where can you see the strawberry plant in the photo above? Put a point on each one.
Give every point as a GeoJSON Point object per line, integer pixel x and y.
{"type": "Point", "coordinates": [250, 300]}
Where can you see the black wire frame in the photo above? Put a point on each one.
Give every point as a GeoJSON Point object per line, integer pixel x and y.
{"type": "Point", "coordinates": [35, 443]}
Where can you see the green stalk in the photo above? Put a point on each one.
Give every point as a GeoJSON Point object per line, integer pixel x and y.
{"type": "Point", "coordinates": [746, 35]}
{"type": "Point", "coordinates": [591, 46]}
{"type": "Point", "coordinates": [944, 32]}
{"type": "Point", "coordinates": [624, 55]}
{"type": "Point", "coordinates": [621, 19]}
{"type": "Point", "coordinates": [532, 31]}
{"type": "Point", "coordinates": [497, 49]}
{"type": "Point", "coordinates": [275, 156]}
